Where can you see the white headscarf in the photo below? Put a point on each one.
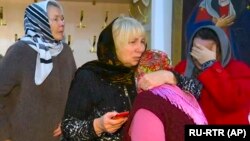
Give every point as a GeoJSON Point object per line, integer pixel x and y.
{"type": "Point", "coordinates": [39, 37]}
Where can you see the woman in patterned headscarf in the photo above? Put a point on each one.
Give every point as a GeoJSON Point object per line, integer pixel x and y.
{"type": "Point", "coordinates": [35, 76]}
{"type": "Point", "coordinates": [162, 112]}
{"type": "Point", "coordinates": [103, 87]}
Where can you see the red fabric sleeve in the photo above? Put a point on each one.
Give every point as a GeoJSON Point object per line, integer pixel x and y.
{"type": "Point", "coordinates": [180, 67]}
{"type": "Point", "coordinates": [228, 87]}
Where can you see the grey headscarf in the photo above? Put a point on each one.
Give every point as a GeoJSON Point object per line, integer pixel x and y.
{"type": "Point", "coordinates": [224, 44]}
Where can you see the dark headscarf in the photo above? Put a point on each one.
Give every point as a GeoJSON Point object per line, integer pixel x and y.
{"type": "Point", "coordinates": [224, 45]}
{"type": "Point", "coordinates": [108, 66]}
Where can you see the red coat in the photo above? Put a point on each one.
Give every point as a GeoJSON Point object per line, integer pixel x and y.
{"type": "Point", "coordinates": [225, 96]}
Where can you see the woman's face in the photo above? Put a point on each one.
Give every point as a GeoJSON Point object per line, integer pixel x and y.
{"type": "Point", "coordinates": [209, 44]}
{"type": "Point", "coordinates": [56, 21]}
{"type": "Point", "coordinates": [130, 54]}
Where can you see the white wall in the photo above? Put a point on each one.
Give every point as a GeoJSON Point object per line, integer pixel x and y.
{"type": "Point", "coordinates": [13, 13]}
{"type": "Point", "coordinates": [161, 27]}
{"type": "Point", "coordinates": [81, 39]}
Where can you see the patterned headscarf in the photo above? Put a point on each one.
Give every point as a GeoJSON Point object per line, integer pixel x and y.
{"type": "Point", "coordinates": [39, 37]}
{"type": "Point", "coordinates": [153, 60]}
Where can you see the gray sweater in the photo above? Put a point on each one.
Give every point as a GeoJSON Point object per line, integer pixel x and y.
{"type": "Point", "coordinates": [29, 112]}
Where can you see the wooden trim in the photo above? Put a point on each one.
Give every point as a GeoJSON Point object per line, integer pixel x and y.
{"type": "Point", "coordinates": [177, 31]}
